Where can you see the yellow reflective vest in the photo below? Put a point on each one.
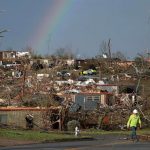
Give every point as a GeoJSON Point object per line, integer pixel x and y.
{"type": "Point", "coordinates": [134, 120]}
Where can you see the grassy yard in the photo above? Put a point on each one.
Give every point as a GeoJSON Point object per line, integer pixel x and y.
{"type": "Point", "coordinates": [58, 136]}
{"type": "Point", "coordinates": [36, 135]}
{"type": "Point", "coordinates": [97, 132]}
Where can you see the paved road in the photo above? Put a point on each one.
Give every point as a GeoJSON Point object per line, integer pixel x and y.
{"type": "Point", "coordinates": [105, 142]}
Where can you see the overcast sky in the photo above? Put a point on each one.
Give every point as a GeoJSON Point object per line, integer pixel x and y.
{"type": "Point", "coordinates": [79, 25]}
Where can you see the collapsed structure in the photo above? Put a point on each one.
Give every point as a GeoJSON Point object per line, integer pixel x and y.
{"type": "Point", "coordinates": [34, 88]}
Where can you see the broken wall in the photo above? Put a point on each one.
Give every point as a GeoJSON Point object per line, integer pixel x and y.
{"type": "Point", "coordinates": [16, 118]}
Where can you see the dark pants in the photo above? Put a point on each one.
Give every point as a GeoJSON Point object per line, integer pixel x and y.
{"type": "Point", "coordinates": [133, 133]}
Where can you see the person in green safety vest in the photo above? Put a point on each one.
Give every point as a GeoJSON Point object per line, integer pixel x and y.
{"type": "Point", "coordinates": [133, 122]}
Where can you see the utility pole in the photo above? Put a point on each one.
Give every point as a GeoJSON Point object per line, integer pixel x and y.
{"type": "Point", "coordinates": [109, 52]}
{"type": "Point", "coordinates": [109, 49]}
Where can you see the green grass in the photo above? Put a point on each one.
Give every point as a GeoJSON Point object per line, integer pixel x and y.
{"type": "Point", "coordinates": [102, 132]}
{"type": "Point", "coordinates": [144, 131]}
{"type": "Point", "coordinates": [36, 135]}
{"type": "Point", "coordinates": [28, 135]}
{"type": "Point", "coordinates": [93, 132]}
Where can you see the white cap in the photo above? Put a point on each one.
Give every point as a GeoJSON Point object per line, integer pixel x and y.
{"type": "Point", "coordinates": [135, 111]}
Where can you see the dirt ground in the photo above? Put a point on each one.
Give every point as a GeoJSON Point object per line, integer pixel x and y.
{"type": "Point", "coordinates": [9, 142]}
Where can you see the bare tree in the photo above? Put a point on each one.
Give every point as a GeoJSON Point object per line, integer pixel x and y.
{"type": "Point", "coordinates": [119, 55]}
{"type": "Point", "coordinates": [105, 48]}
{"type": "Point", "coordinates": [64, 53]}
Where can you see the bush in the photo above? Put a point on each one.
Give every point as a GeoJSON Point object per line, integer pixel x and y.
{"type": "Point", "coordinates": [72, 124]}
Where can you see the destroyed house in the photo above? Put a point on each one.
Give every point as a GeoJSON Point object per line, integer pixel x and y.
{"type": "Point", "coordinates": [111, 88]}
{"type": "Point", "coordinates": [81, 62]}
{"type": "Point", "coordinates": [15, 116]}
{"type": "Point", "coordinates": [7, 55]}
{"type": "Point", "coordinates": [91, 101]}
{"type": "Point", "coordinates": [43, 117]}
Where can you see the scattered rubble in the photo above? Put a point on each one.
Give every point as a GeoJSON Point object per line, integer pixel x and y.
{"type": "Point", "coordinates": [38, 85]}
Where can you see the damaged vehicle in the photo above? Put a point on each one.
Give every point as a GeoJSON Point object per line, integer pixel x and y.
{"type": "Point", "coordinates": [63, 73]}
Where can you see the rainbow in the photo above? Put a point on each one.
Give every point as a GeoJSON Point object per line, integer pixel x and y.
{"type": "Point", "coordinates": [50, 23]}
